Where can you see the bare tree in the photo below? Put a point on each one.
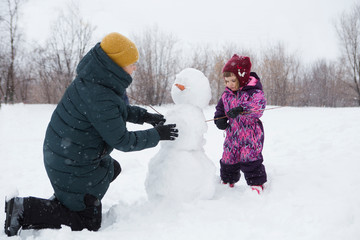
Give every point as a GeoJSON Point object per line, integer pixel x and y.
{"type": "Point", "coordinates": [215, 77]}
{"type": "Point", "coordinates": [201, 59]}
{"type": "Point", "coordinates": [70, 39]}
{"type": "Point", "coordinates": [2, 70]}
{"type": "Point", "coordinates": [279, 72]}
{"type": "Point", "coordinates": [322, 84]}
{"type": "Point", "coordinates": [157, 66]}
{"type": "Point", "coordinates": [1, 59]}
{"type": "Point", "coordinates": [211, 63]}
{"type": "Point", "coordinates": [348, 29]}
{"type": "Point", "coordinates": [8, 73]}
{"type": "Point", "coordinates": [25, 79]}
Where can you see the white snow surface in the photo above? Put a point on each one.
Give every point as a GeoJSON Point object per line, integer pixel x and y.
{"type": "Point", "coordinates": [311, 156]}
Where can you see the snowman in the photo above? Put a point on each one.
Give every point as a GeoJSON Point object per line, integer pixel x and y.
{"type": "Point", "coordinates": [181, 171]}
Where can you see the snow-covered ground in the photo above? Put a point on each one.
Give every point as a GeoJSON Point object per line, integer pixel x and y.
{"type": "Point", "coordinates": [312, 157]}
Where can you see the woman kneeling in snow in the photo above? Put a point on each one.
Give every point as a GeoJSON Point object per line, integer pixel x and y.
{"type": "Point", "coordinates": [87, 124]}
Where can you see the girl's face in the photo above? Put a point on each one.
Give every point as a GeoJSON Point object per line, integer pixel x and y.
{"type": "Point", "coordinates": [130, 68]}
{"type": "Point", "coordinates": [232, 82]}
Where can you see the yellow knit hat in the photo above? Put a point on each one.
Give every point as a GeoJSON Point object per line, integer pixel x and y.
{"type": "Point", "coordinates": [120, 49]}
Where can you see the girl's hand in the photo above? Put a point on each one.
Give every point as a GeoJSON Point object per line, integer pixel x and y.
{"type": "Point", "coordinates": [234, 112]}
{"type": "Point", "coordinates": [222, 123]}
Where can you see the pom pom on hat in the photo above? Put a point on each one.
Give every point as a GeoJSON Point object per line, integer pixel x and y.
{"type": "Point", "coordinates": [120, 49]}
{"type": "Point", "coordinates": [241, 67]}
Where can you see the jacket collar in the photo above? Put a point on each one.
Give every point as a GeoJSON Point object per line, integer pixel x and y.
{"type": "Point", "coordinates": [96, 67]}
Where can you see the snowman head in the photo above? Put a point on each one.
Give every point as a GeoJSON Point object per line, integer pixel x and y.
{"type": "Point", "coordinates": [191, 87]}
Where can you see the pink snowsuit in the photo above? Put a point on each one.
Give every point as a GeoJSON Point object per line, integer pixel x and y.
{"type": "Point", "coordinates": [245, 134]}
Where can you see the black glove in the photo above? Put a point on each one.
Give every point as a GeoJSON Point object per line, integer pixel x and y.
{"type": "Point", "coordinates": [234, 112]}
{"type": "Point", "coordinates": [167, 132]}
{"type": "Point", "coordinates": [153, 118]}
{"type": "Point", "coordinates": [222, 123]}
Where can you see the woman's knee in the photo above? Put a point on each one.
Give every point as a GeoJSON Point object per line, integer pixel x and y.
{"type": "Point", "coordinates": [117, 170]}
{"type": "Point", "coordinates": [92, 214]}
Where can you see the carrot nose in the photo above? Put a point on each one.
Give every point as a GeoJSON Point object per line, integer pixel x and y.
{"type": "Point", "coordinates": [181, 87]}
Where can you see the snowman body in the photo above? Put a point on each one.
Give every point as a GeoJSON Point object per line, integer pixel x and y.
{"type": "Point", "coordinates": [181, 171]}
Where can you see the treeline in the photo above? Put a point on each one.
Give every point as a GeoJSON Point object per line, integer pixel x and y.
{"type": "Point", "coordinates": [40, 73]}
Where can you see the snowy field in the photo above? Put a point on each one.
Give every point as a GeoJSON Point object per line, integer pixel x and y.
{"type": "Point", "coordinates": [312, 157]}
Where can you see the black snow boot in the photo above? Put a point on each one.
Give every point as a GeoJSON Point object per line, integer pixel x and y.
{"type": "Point", "coordinates": [14, 209]}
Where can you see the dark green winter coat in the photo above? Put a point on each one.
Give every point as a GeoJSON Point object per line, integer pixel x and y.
{"type": "Point", "coordinates": [87, 124]}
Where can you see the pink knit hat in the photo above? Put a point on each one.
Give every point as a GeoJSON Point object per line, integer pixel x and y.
{"type": "Point", "coordinates": [241, 67]}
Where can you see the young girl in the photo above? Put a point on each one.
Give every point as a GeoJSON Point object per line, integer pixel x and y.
{"type": "Point", "coordinates": [238, 112]}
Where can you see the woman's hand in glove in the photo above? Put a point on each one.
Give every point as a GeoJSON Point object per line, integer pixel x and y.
{"type": "Point", "coordinates": [167, 132]}
{"type": "Point", "coordinates": [154, 119]}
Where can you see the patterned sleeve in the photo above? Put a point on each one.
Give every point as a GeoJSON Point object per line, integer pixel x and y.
{"type": "Point", "coordinates": [254, 106]}
{"type": "Point", "coordinates": [220, 112]}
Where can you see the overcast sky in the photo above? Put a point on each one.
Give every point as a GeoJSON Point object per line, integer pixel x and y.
{"type": "Point", "coordinates": [303, 26]}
